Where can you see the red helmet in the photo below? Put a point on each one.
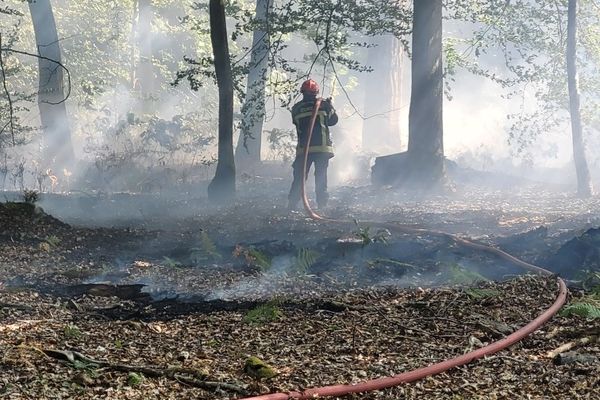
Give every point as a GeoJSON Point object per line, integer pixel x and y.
{"type": "Point", "coordinates": [309, 87]}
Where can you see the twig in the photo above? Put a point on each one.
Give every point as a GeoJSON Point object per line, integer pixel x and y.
{"type": "Point", "coordinates": [9, 98]}
{"type": "Point", "coordinates": [61, 65]}
{"type": "Point", "coordinates": [20, 307]}
{"type": "Point", "coordinates": [185, 375]}
{"type": "Point", "coordinates": [573, 344]}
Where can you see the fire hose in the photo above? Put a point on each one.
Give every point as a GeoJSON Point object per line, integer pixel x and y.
{"type": "Point", "coordinates": [420, 373]}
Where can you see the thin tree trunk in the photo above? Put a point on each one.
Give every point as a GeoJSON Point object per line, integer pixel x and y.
{"type": "Point", "coordinates": [383, 96]}
{"type": "Point", "coordinates": [57, 147]}
{"type": "Point", "coordinates": [222, 187]}
{"type": "Point", "coordinates": [425, 142]}
{"type": "Point", "coordinates": [584, 183]}
{"type": "Point", "coordinates": [133, 39]}
{"type": "Point", "coordinates": [145, 74]}
{"type": "Point", "coordinates": [253, 112]}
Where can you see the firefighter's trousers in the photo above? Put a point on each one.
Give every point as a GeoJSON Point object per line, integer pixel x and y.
{"type": "Point", "coordinates": [321, 162]}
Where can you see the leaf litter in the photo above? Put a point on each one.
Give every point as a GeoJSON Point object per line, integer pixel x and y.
{"type": "Point", "coordinates": [319, 326]}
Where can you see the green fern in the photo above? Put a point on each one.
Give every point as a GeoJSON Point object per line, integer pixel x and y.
{"type": "Point", "coordinates": [259, 259]}
{"type": "Point", "coordinates": [207, 250]}
{"type": "Point", "coordinates": [367, 237]}
{"type": "Point", "coordinates": [52, 240]}
{"type": "Point", "coordinates": [305, 259]}
{"type": "Point", "coordinates": [586, 310]}
{"type": "Point", "coordinates": [462, 276]}
{"type": "Point", "coordinates": [480, 293]}
{"type": "Point", "coordinates": [171, 263]}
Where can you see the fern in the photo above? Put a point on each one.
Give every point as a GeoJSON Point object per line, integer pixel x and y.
{"type": "Point", "coordinates": [52, 240]}
{"type": "Point", "coordinates": [462, 276]}
{"type": "Point", "coordinates": [253, 257]}
{"type": "Point", "coordinates": [364, 234]}
{"type": "Point", "coordinates": [480, 293]}
{"type": "Point", "coordinates": [206, 251]}
{"type": "Point", "coordinates": [171, 263]}
{"type": "Point", "coordinates": [305, 259]}
{"type": "Point", "coordinates": [259, 259]}
{"type": "Point", "coordinates": [586, 310]}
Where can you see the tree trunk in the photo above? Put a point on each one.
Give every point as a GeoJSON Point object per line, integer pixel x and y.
{"type": "Point", "coordinates": [133, 44]}
{"type": "Point", "coordinates": [383, 96]}
{"type": "Point", "coordinates": [425, 141]}
{"type": "Point", "coordinates": [222, 187]}
{"type": "Point", "coordinates": [145, 74]}
{"type": "Point", "coordinates": [584, 183]}
{"type": "Point", "coordinates": [253, 111]}
{"type": "Point", "coordinates": [57, 147]}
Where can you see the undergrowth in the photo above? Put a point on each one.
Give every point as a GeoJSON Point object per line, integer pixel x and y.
{"type": "Point", "coordinates": [304, 261]}
{"type": "Point", "coordinates": [264, 313]}
{"type": "Point", "coordinates": [587, 306]}
{"type": "Point", "coordinates": [458, 275]}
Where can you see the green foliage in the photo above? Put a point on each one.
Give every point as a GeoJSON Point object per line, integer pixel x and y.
{"type": "Point", "coordinates": [329, 25]}
{"type": "Point", "coordinates": [365, 235]}
{"type": "Point", "coordinates": [171, 263]}
{"type": "Point", "coordinates": [72, 331]}
{"type": "Point", "coordinates": [482, 293]}
{"type": "Point", "coordinates": [458, 275]}
{"type": "Point", "coordinates": [89, 368]}
{"type": "Point", "coordinates": [304, 260]}
{"type": "Point", "coordinates": [581, 309]}
{"type": "Point", "coordinates": [589, 305]}
{"type": "Point", "coordinates": [282, 143]}
{"type": "Point", "coordinates": [529, 38]}
{"type": "Point", "coordinates": [31, 196]}
{"type": "Point", "coordinates": [207, 251]}
{"type": "Point", "coordinates": [253, 257]}
{"type": "Point", "coordinates": [135, 379]}
{"type": "Point", "coordinates": [52, 241]}
{"type": "Point", "coordinates": [591, 282]}
{"type": "Point", "coordinates": [264, 313]}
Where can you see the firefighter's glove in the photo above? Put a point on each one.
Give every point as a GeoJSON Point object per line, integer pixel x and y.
{"type": "Point", "coordinates": [328, 101]}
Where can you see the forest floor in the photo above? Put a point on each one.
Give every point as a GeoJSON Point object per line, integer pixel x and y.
{"type": "Point", "coordinates": [162, 303]}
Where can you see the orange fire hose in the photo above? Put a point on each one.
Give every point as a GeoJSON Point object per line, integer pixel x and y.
{"type": "Point", "coordinates": [411, 376]}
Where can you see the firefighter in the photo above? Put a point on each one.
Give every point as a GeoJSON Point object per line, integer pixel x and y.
{"type": "Point", "coordinates": [320, 149]}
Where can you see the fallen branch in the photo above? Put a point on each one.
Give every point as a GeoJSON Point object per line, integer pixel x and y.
{"type": "Point", "coordinates": [19, 307]}
{"type": "Point", "coordinates": [573, 344]}
{"type": "Point", "coordinates": [188, 376]}
{"type": "Point", "coordinates": [573, 357]}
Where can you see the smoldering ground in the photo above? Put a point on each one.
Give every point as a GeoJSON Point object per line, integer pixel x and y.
{"type": "Point", "coordinates": [257, 250]}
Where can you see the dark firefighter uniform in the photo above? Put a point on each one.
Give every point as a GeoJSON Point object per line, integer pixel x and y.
{"type": "Point", "coordinates": [320, 149]}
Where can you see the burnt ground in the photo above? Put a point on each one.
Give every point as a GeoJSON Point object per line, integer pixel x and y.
{"type": "Point", "coordinates": [171, 282]}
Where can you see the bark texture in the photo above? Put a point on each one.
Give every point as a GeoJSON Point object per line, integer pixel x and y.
{"type": "Point", "coordinates": [57, 147]}
{"type": "Point", "coordinates": [584, 183]}
{"type": "Point", "coordinates": [222, 187]}
{"type": "Point", "coordinates": [145, 76]}
{"type": "Point", "coordinates": [425, 142]}
{"type": "Point", "coordinates": [253, 111]}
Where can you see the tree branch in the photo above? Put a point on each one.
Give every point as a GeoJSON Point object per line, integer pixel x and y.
{"type": "Point", "coordinates": [58, 63]}
{"type": "Point", "coordinates": [10, 102]}
{"type": "Point", "coordinates": [184, 375]}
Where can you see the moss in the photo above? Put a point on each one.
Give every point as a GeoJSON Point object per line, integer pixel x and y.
{"type": "Point", "coordinates": [258, 369]}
